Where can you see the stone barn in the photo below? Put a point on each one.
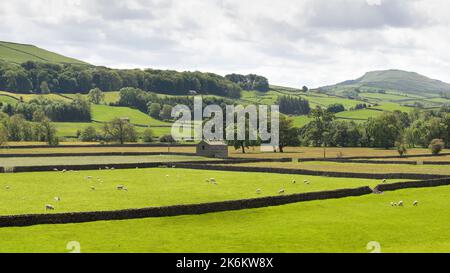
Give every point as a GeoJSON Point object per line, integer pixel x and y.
{"type": "Point", "coordinates": [212, 148]}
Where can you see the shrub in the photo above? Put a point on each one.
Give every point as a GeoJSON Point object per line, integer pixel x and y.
{"type": "Point", "coordinates": [89, 134]}
{"type": "Point", "coordinates": [401, 148]}
{"type": "Point", "coordinates": [167, 139]}
{"type": "Point", "coordinates": [436, 146]}
{"type": "Point", "coordinates": [147, 135]}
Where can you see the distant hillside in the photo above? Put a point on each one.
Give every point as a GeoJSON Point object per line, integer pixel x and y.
{"type": "Point", "coordinates": [20, 53]}
{"type": "Point", "coordinates": [392, 80]}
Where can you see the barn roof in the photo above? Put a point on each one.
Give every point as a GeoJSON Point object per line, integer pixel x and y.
{"type": "Point", "coordinates": [214, 142]}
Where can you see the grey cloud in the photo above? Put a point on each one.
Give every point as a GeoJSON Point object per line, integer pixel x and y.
{"type": "Point", "coordinates": [358, 14]}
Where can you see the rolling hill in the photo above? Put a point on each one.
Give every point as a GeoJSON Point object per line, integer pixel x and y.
{"type": "Point", "coordinates": [392, 80]}
{"type": "Point", "coordinates": [19, 53]}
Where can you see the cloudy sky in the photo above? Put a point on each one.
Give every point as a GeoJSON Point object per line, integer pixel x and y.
{"type": "Point", "coordinates": [292, 42]}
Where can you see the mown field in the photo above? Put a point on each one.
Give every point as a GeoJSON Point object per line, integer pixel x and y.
{"type": "Point", "coordinates": [355, 167]}
{"type": "Point", "coordinates": [29, 192]}
{"type": "Point", "coordinates": [93, 150]}
{"type": "Point", "coordinates": [86, 160]}
{"type": "Point", "coordinates": [339, 225]}
{"type": "Point", "coordinates": [330, 152]}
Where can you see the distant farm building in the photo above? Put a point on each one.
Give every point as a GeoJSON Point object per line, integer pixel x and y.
{"type": "Point", "coordinates": [212, 148]}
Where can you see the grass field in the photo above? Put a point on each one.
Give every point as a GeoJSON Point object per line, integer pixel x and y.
{"type": "Point", "coordinates": [362, 114]}
{"type": "Point", "coordinates": [104, 113]}
{"type": "Point", "coordinates": [339, 225]}
{"type": "Point", "coordinates": [29, 192]}
{"type": "Point", "coordinates": [20, 53]}
{"type": "Point", "coordinates": [82, 160]}
{"type": "Point", "coordinates": [355, 167]}
{"type": "Point", "coordinates": [27, 97]}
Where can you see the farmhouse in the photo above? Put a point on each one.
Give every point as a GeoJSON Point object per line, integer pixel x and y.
{"type": "Point", "coordinates": [212, 148]}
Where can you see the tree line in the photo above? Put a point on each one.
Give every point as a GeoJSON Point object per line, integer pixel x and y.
{"type": "Point", "coordinates": [77, 110]}
{"type": "Point", "coordinates": [42, 78]}
{"type": "Point", "coordinates": [250, 82]}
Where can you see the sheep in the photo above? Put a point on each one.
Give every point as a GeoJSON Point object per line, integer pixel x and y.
{"type": "Point", "coordinates": [400, 203]}
{"type": "Point", "coordinates": [212, 180]}
{"type": "Point", "coordinates": [64, 170]}
{"type": "Point", "coordinates": [207, 180]}
{"type": "Point", "coordinates": [55, 169]}
{"type": "Point", "coordinates": [89, 177]}
{"type": "Point", "coordinates": [93, 188]}
{"type": "Point", "coordinates": [7, 188]}
{"type": "Point", "coordinates": [107, 167]}
{"type": "Point", "coordinates": [384, 181]}
{"type": "Point", "coordinates": [415, 203]}
{"type": "Point", "coordinates": [125, 188]}
{"type": "Point", "coordinates": [392, 204]}
{"type": "Point", "coordinates": [57, 198]}
{"type": "Point", "coordinates": [120, 187]}
{"type": "Point", "coordinates": [281, 191]}
{"type": "Point", "coordinates": [49, 207]}
{"type": "Point", "coordinates": [293, 181]}
{"type": "Point", "coordinates": [112, 168]}
{"type": "Point", "coordinates": [306, 181]}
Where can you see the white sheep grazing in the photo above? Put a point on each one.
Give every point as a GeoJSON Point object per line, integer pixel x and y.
{"type": "Point", "coordinates": [49, 207]}
{"type": "Point", "coordinates": [120, 187]}
{"type": "Point", "coordinates": [281, 191]}
{"type": "Point", "coordinates": [395, 204]}
{"type": "Point", "coordinates": [55, 169]}
{"type": "Point", "coordinates": [57, 198]}
{"type": "Point", "coordinates": [64, 170]}
{"type": "Point", "coordinates": [258, 191]}
{"type": "Point", "coordinates": [212, 180]}
{"type": "Point", "coordinates": [112, 168]}
{"type": "Point", "coordinates": [293, 181]}
{"type": "Point", "coordinates": [416, 203]}
{"type": "Point", "coordinates": [306, 181]}
{"type": "Point", "coordinates": [384, 181]}
{"type": "Point", "coordinates": [400, 204]}
{"type": "Point", "coordinates": [392, 204]}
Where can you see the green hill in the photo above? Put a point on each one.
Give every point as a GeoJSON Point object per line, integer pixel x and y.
{"type": "Point", "coordinates": [20, 53]}
{"type": "Point", "coordinates": [392, 80]}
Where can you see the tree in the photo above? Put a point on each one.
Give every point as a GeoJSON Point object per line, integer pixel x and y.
{"type": "Point", "coordinates": [401, 148]}
{"type": "Point", "coordinates": [89, 134]}
{"type": "Point", "coordinates": [44, 88]}
{"type": "Point", "coordinates": [436, 146]}
{"type": "Point", "coordinates": [166, 112]}
{"type": "Point", "coordinates": [167, 139]}
{"type": "Point", "coordinates": [288, 133]}
{"type": "Point", "coordinates": [147, 135]}
{"type": "Point", "coordinates": [385, 130]}
{"type": "Point", "coordinates": [3, 135]}
{"type": "Point", "coordinates": [305, 89]}
{"type": "Point", "coordinates": [39, 115]}
{"type": "Point", "coordinates": [154, 110]}
{"type": "Point", "coordinates": [120, 130]}
{"type": "Point", "coordinates": [96, 96]}
{"type": "Point", "coordinates": [48, 132]}
{"type": "Point", "coordinates": [336, 108]}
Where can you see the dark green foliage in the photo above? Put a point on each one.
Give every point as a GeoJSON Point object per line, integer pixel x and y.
{"type": "Point", "coordinates": [72, 78]}
{"type": "Point", "coordinates": [293, 105]}
{"type": "Point", "coordinates": [250, 82]}
{"type": "Point", "coordinates": [336, 108]}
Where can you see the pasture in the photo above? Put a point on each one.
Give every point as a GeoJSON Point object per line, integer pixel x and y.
{"type": "Point", "coordinates": [355, 167]}
{"type": "Point", "coordinates": [23, 193]}
{"type": "Point", "coordinates": [87, 160]}
{"type": "Point", "coordinates": [339, 225]}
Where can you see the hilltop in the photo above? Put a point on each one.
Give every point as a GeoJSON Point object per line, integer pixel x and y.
{"type": "Point", "coordinates": [391, 80]}
{"type": "Point", "coordinates": [20, 53]}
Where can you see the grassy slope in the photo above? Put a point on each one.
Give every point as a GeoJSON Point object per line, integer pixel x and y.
{"type": "Point", "coordinates": [19, 53]}
{"type": "Point", "coordinates": [105, 113]}
{"type": "Point", "coordinates": [339, 225]}
{"type": "Point", "coordinates": [29, 192]}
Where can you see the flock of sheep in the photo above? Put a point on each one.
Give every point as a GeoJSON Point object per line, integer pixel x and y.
{"type": "Point", "coordinates": [93, 188]}
{"type": "Point", "coordinates": [209, 180]}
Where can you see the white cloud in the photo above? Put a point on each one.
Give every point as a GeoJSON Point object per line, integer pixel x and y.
{"type": "Point", "coordinates": [312, 42]}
